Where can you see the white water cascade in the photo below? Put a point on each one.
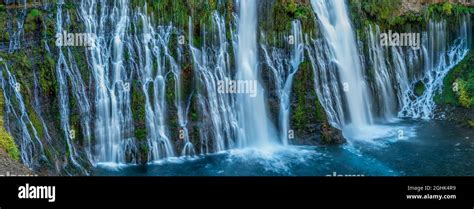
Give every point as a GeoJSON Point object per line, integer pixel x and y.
{"type": "Point", "coordinates": [212, 64]}
{"type": "Point", "coordinates": [439, 56]}
{"type": "Point", "coordinates": [113, 123]}
{"type": "Point", "coordinates": [396, 78]}
{"type": "Point", "coordinates": [343, 52]}
{"type": "Point", "coordinates": [30, 145]}
{"type": "Point", "coordinates": [385, 98]}
{"type": "Point", "coordinates": [284, 67]}
{"type": "Point", "coordinates": [63, 70]}
{"type": "Point", "coordinates": [152, 47]}
{"type": "Point", "coordinates": [396, 71]}
{"type": "Point", "coordinates": [255, 127]}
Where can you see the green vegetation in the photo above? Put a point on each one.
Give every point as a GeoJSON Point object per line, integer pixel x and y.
{"type": "Point", "coordinates": [4, 35]}
{"type": "Point", "coordinates": [471, 123]}
{"type": "Point", "coordinates": [179, 13]}
{"type": "Point", "coordinates": [300, 112]}
{"type": "Point", "coordinates": [447, 9]}
{"type": "Point", "coordinates": [419, 88]}
{"type": "Point", "coordinates": [466, 98]}
{"type": "Point", "coordinates": [307, 109]}
{"type": "Point", "coordinates": [138, 111]}
{"type": "Point", "coordinates": [459, 85]}
{"type": "Point", "coordinates": [280, 16]}
{"type": "Point", "coordinates": [6, 141]}
{"type": "Point", "coordinates": [34, 13]}
{"type": "Point", "coordinates": [381, 10]}
{"type": "Point", "coordinates": [33, 22]}
{"type": "Point", "coordinates": [46, 74]}
{"type": "Point", "coordinates": [296, 10]}
{"type": "Point", "coordinates": [387, 14]}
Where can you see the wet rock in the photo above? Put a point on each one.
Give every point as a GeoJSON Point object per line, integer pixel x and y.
{"type": "Point", "coordinates": [331, 135]}
{"type": "Point", "coordinates": [463, 117]}
{"type": "Point", "coordinates": [12, 167]}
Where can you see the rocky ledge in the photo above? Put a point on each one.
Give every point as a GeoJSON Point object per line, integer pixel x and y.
{"type": "Point", "coordinates": [10, 167]}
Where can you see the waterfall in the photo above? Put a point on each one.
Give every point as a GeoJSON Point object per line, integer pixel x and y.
{"type": "Point", "coordinates": [343, 52]}
{"type": "Point", "coordinates": [62, 70]}
{"type": "Point", "coordinates": [284, 67]}
{"type": "Point", "coordinates": [30, 145]}
{"type": "Point", "coordinates": [17, 31]}
{"type": "Point", "coordinates": [386, 95]}
{"type": "Point", "coordinates": [362, 85]}
{"type": "Point", "coordinates": [395, 70]}
{"type": "Point", "coordinates": [325, 81]}
{"type": "Point", "coordinates": [152, 47]}
{"type": "Point", "coordinates": [219, 124]}
{"type": "Point", "coordinates": [255, 127]}
{"type": "Point", "coordinates": [113, 125]}
{"type": "Point", "coordinates": [439, 55]}
{"type": "Point", "coordinates": [182, 104]}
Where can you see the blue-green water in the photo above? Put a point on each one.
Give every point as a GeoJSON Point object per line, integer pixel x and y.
{"type": "Point", "coordinates": [409, 149]}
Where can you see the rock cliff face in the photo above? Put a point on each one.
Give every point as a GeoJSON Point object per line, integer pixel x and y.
{"type": "Point", "coordinates": [417, 6]}
{"type": "Point", "coordinates": [10, 167]}
{"type": "Point", "coordinates": [185, 50]}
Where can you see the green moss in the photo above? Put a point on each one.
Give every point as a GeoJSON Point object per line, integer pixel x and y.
{"type": "Point", "coordinates": [297, 10]}
{"type": "Point", "coordinates": [300, 113]}
{"type": "Point", "coordinates": [47, 81]}
{"type": "Point", "coordinates": [33, 22]}
{"type": "Point", "coordinates": [466, 98]}
{"type": "Point", "coordinates": [387, 15]}
{"type": "Point", "coordinates": [419, 88]}
{"type": "Point", "coordinates": [459, 85]}
{"type": "Point", "coordinates": [34, 13]}
{"type": "Point", "coordinates": [277, 21]}
{"type": "Point", "coordinates": [381, 10]}
{"type": "Point", "coordinates": [138, 111]}
{"type": "Point", "coordinates": [447, 9]}
{"type": "Point", "coordinates": [471, 123]}
{"type": "Point", "coordinates": [170, 93]}
{"type": "Point", "coordinates": [6, 140]}
{"type": "Point", "coordinates": [320, 113]}
{"type": "Point", "coordinates": [306, 109]}
{"type": "Point", "coordinates": [35, 121]}
{"type": "Point", "coordinates": [194, 116]}
{"type": "Point", "coordinates": [141, 134]}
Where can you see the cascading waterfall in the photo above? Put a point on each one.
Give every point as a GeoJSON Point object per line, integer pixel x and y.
{"type": "Point", "coordinates": [37, 107]}
{"type": "Point", "coordinates": [386, 97]}
{"type": "Point", "coordinates": [339, 36]}
{"type": "Point", "coordinates": [30, 146]}
{"type": "Point", "coordinates": [325, 81]}
{"type": "Point", "coordinates": [212, 66]}
{"type": "Point", "coordinates": [132, 56]}
{"type": "Point", "coordinates": [152, 47]}
{"type": "Point", "coordinates": [17, 31]}
{"type": "Point", "coordinates": [394, 79]}
{"type": "Point", "coordinates": [182, 104]}
{"type": "Point", "coordinates": [113, 123]}
{"type": "Point", "coordinates": [62, 70]}
{"type": "Point", "coordinates": [284, 71]}
{"type": "Point", "coordinates": [255, 127]}
{"type": "Point", "coordinates": [439, 55]}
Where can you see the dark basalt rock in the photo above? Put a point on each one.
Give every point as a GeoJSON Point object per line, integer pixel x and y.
{"type": "Point", "coordinates": [460, 115]}
{"type": "Point", "coordinates": [331, 135]}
